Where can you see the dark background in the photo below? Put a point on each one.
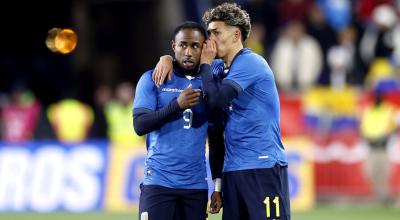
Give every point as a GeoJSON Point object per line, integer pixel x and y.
{"type": "Point", "coordinates": [117, 41]}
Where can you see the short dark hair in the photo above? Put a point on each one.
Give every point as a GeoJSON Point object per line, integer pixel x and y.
{"type": "Point", "coordinates": [231, 14]}
{"type": "Point", "coordinates": [190, 25]}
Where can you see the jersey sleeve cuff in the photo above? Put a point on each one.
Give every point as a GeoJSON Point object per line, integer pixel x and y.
{"type": "Point", "coordinates": [175, 106]}
{"type": "Point", "coordinates": [234, 84]}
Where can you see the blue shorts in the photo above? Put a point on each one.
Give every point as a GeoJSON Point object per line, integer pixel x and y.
{"type": "Point", "coordinates": [158, 202]}
{"type": "Point", "coordinates": [256, 194]}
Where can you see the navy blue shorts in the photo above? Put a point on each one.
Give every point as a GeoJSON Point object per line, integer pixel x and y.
{"type": "Point", "coordinates": [256, 194]}
{"type": "Point", "coordinates": [158, 202]}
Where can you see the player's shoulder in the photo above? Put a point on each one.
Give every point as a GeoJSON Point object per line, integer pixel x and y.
{"type": "Point", "coordinates": [249, 56]}
{"type": "Point", "coordinates": [250, 60]}
{"type": "Point", "coordinates": [147, 74]}
{"type": "Point", "coordinates": [146, 79]}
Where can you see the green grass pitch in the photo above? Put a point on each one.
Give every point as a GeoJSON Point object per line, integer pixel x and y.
{"type": "Point", "coordinates": [320, 213]}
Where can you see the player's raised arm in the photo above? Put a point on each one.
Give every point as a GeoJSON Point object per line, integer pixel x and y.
{"type": "Point", "coordinates": [216, 96]}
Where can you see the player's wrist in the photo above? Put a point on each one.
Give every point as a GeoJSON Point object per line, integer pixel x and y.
{"type": "Point", "coordinates": [217, 185]}
{"type": "Point", "coordinates": [207, 62]}
{"type": "Point", "coordinates": [176, 105]}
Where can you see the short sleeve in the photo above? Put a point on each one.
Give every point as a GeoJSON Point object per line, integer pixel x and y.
{"type": "Point", "coordinates": [146, 93]}
{"type": "Point", "coordinates": [243, 73]}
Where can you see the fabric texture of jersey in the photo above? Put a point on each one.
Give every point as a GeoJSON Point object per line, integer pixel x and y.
{"type": "Point", "coordinates": [252, 131]}
{"type": "Point", "coordinates": [176, 151]}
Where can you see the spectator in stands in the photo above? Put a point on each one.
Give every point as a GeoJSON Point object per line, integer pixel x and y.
{"type": "Point", "coordinates": [20, 115]}
{"type": "Point", "coordinates": [291, 10]}
{"type": "Point", "coordinates": [256, 39]}
{"type": "Point", "coordinates": [296, 59]}
{"type": "Point", "coordinates": [102, 96]}
{"type": "Point", "coordinates": [344, 61]}
{"type": "Point", "coordinates": [338, 13]}
{"type": "Point", "coordinates": [119, 117]}
{"type": "Point", "coordinates": [318, 28]}
{"type": "Point", "coordinates": [378, 123]}
{"type": "Point", "coordinates": [382, 77]}
{"type": "Point", "coordinates": [365, 8]}
{"type": "Point", "coordinates": [377, 40]}
{"type": "Point", "coordinates": [71, 119]}
{"type": "Point", "coordinates": [396, 38]}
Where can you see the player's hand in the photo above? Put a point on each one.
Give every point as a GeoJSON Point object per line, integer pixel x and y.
{"type": "Point", "coordinates": [216, 202]}
{"type": "Point", "coordinates": [209, 52]}
{"type": "Point", "coordinates": [189, 97]}
{"type": "Point", "coordinates": [163, 69]}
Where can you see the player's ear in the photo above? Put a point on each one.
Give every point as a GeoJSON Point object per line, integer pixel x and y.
{"type": "Point", "coordinates": [238, 35]}
{"type": "Point", "coordinates": [173, 45]}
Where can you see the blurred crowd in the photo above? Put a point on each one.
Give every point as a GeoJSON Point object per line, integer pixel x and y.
{"type": "Point", "coordinates": [338, 56]}
{"type": "Point", "coordinates": [328, 42]}
{"type": "Point", "coordinates": [69, 120]}
{"type": "Point", "coordinates": [334, 55]}
{"type": "Point", "coordinates": [340, 50]}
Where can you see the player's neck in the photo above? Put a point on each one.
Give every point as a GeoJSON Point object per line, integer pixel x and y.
{"type": "Point", "coordinates": [231, 55]}
{"type": "Point", "coordinates": [192, 73]}
{"type": "Point", "coordinates": [182, 71]}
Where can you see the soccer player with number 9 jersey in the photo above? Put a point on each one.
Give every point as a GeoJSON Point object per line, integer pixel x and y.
{"type": "Point", "coordinates": [175, 119]}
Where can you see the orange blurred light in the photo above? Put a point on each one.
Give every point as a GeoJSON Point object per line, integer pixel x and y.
{"type": "Point", "coordinates": [61, 40]}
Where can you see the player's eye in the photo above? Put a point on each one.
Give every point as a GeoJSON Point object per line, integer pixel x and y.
{"type": "Point", "coordinates": [196, 46]}
{"type": "Point", "coordinates": [182, 45]}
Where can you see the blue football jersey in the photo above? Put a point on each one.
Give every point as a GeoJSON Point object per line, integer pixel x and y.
{"type": "Point", "coordinates": [252, 131]}
{"type": "Point", "coordinates": [176, 151]}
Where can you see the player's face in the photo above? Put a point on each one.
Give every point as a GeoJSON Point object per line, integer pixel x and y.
{"type": "Point", "coordinates": [223, 35]}
{"type": "Point", "coordinates": [187, 47]}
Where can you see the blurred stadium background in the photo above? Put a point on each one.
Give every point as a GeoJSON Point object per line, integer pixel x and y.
{"type": "Point", "coordinates": [67, 146]}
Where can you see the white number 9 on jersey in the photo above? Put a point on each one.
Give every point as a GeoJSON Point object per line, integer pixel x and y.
{"type": "Point", "coordinates": [187, 117]}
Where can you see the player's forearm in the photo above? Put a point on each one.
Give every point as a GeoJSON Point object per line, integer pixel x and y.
{"type": "Point", "coordinates": [216, 150]}
{"type": "Point", "coordinates": [146, 121]}
{"type": "Point", "coordinates": [216, 97]}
